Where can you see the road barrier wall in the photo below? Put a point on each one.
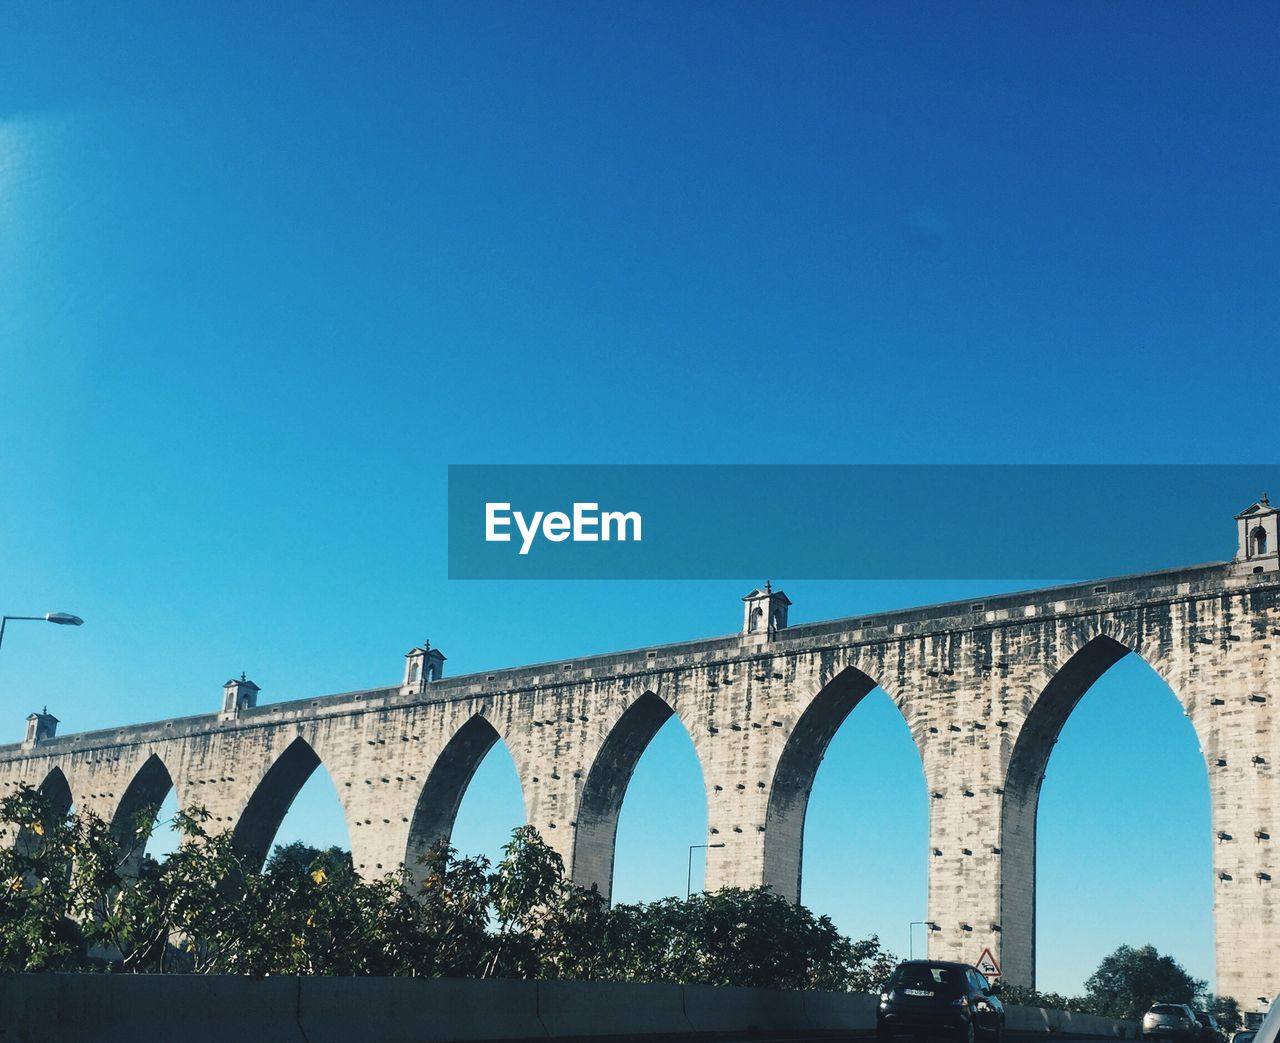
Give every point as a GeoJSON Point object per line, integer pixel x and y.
{"type": "Point", "coordinates": [123, 1008]}
{"type": "Point", "coordinates": [1066, 1023]}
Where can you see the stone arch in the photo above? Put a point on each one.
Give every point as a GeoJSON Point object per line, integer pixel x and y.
{"type": "Point", "coordinates": [606, 784]}
{"type": "Point", "coordinates": [144, 795]}
{"type": "Point", "coordinates": [57, 791]}
{"type": "Point", "coordinates": [446, 785]}
{"type": "Point", "coordinates": [1024, 773]}
{"type": "Point", "coordinates": [260, 821]}
{"type": "Point", "coordinates": [796, 769]}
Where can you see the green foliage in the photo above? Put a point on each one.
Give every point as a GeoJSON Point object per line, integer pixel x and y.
{"type": "Point", "coordinates": [740, 937]}
{"type": "Point", "coordinates": [73, 896]}
{"type": "Point", "coordinates": [299, 859]}
{"type": "Point", "coordinates": [1127, 983]}
{"type": "Point", "coordinates": [526, 892]}
{"type": "Point", "coordinates": [1225, 1009]}
{"type": "Point", "coordinates": [452, 912]}
{"type": "Point", "coordinates": [1129, 980]}
{"type": "Point", "coordinates": [39, 928]}
{"type": "Point", "coordinates": [1025, 997]}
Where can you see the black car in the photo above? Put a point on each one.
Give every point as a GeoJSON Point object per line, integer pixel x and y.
{"type": "Point", "coordinates": [1211, 1031]}
{"type": "Point", "coordinates": [929, 997]}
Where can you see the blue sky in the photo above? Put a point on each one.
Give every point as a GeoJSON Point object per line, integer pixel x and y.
{"type": "Point", "coordinates": [264, 274]}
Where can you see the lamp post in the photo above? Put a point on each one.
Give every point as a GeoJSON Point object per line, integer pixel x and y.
{"type": "Point", "coordinates": [688, 884]}
{"type": "Point", "coordinates": [65, 619]}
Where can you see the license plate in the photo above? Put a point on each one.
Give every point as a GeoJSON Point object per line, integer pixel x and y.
{"type": "Point", "coordinates": [917, 992]}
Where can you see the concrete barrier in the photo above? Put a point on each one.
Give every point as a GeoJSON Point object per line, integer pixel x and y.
{"type": "Point", "coordinates": [573, 1008]}
{"type": "Point", "coordinates": [727, 1008]}
{"type": "Point", "coordinates": [847, 1011]}
{"type": "Point", "coordinates": [1066, 1022]}
{"type": "Point", "coordinates": [417, 1010]}
{"type": "Point", "coordinates": [124, 1008]}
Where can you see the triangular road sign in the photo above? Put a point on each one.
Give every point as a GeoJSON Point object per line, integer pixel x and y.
{"type": "Point", "coordinates": [987, 964]}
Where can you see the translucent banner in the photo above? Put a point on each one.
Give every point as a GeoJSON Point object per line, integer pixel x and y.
{"type": "Point", "coordinates": [919, 521]}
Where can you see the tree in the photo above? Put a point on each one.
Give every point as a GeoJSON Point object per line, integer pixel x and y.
{"type": "Point", "coordinates": [739, 936]}
{"type": "Point", "coordinates": [1128, 981]}
{"type": "Point", "coordinates": [299, 859]}
{"type": "Point", "coordinates": [525, 890]}
{"type": "Point", "coordinates": [450, 916]}
{"type": "Point", "coordinates": [38, 894]}
{"type": "Point", "coordinates": [69, 902]}
{"type": "Point", "coordinates": [1026, 997]}
{"type": "Point", "coordinates": [1225, 1009]}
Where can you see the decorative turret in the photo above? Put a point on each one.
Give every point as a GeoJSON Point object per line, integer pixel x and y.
{"type": "Point", "coordinates": [1257, 540]}
{"type": "Point", "coordinates": [40, 726]}
{"type": "Point", "coordinates": [421, 665]}
{"type": "Point", "coordinates": [236, 696]}
{"type": "Point", "coordinates": [764, 611]}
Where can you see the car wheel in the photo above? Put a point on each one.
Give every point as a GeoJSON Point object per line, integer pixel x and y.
{"type": "Point", "coordinates": [884, 1034]}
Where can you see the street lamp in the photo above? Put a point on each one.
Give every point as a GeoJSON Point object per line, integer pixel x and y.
{"type": "Point", "coordinates": [65, 619]}
{"type": "Point", "coordinates": [688, 884]}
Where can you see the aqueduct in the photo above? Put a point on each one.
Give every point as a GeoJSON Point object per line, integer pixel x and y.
{"type": "Point", "coordinates": [984, 686]}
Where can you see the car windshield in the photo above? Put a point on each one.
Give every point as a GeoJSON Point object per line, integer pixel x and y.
{"type": "Point", "coordinates": [926, 976]}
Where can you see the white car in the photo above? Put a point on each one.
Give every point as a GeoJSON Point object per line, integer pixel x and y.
{"type": "Point", "coordinates": [1175, 1022]}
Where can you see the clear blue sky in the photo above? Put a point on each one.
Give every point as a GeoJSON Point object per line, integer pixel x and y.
{"type": "Point", "coordinates": [264, 273]}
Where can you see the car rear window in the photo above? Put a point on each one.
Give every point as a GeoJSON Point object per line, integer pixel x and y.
{"type": "Point", "coordinates": [1167, 1008]}
{"type": "Point", "coordinates": [923, 976]}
